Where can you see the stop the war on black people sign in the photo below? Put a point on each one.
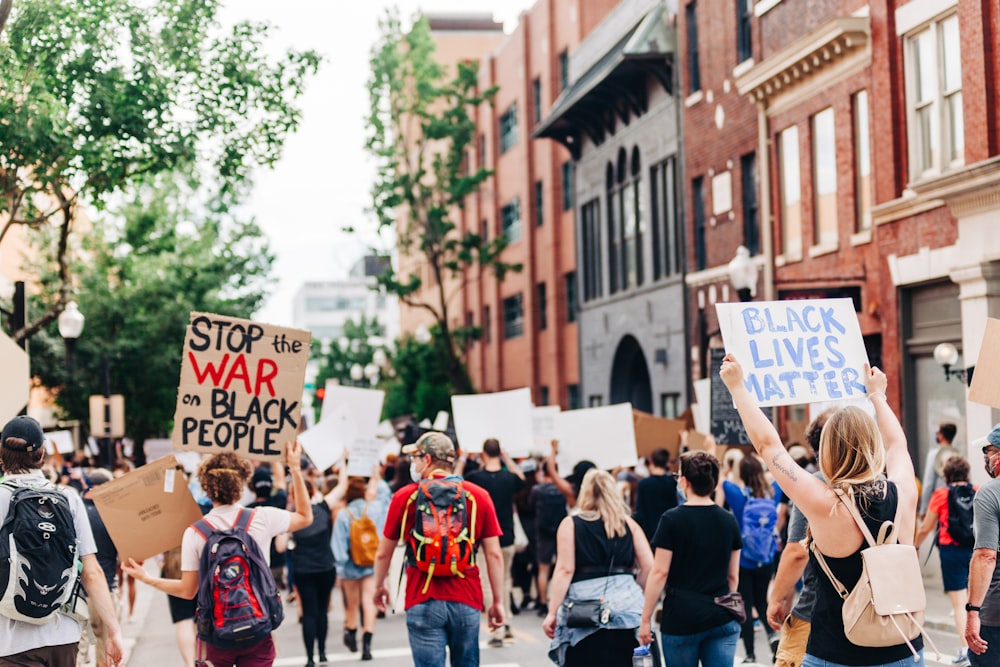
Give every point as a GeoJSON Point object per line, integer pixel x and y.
{"type": "Point", "coordinates": [240, 387]}
{"type": "Point", "coordinates": [796, 351]}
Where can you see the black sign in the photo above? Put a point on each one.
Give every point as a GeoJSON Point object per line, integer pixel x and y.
{"type": "Point", "coordinates": [726, 425]}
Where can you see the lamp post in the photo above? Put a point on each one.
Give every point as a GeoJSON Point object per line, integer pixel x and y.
{"type": "Point", "coordinates": [743, 274]}
{"type": "Point", "coordinates": [357, 372]}
{"type": "Point", "coordinates": [946, 356]}
{"type": "Point", "coordinates": [371, 372]}
{"type": "Point", "coordinates": [71, 322]}
{"type": "Point", "coordinates": [422, 334]}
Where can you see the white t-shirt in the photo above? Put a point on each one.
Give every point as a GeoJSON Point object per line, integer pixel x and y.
{"type": "Point", "coordinates": [267, 522]}
{"type": "Point", "coordinates": [18, 636]}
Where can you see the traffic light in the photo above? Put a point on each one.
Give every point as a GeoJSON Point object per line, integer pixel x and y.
{"type": "Point", "coordinates": [320, 393]}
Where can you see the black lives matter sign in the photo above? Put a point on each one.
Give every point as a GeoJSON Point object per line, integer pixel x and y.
{"type": "Point", "coordinates": [240, 387]}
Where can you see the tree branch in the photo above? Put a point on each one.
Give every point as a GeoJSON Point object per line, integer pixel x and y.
{"type": "Point", "coordinates": [5, 6]}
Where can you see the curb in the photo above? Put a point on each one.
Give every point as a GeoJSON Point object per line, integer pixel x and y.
{"type": "Point", "coordinates": [938, 623]}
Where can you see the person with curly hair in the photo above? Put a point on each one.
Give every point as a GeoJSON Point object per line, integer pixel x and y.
{"type": "Point", "coordinates": [223, 477]}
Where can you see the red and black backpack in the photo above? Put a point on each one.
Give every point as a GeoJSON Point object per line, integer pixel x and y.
{"type": "Point", "coordinates": [444, 528]}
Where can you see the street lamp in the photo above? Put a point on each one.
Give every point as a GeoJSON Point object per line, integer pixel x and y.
{"type": "Point", "coordinates": [379, 357]}
{"type": "Point", "coordinates": [743, 274]}
{"type": "Point", "coordinates": [371, 372]}
{"type": "Point", "coordinates": [70, 327]}
{"type": "Point", "coordinates": [357, 372]}
{"type": "Point", "coordinates": [946, 356]}
{"type": "Point", "coordinates": [422, 334]}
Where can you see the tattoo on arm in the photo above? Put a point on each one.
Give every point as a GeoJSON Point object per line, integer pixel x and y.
{"type": "Point", "coordinates": [788, 468]}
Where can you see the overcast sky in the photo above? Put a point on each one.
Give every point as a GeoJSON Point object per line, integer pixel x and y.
{"type": "Point", "coordinates": [322, 182]}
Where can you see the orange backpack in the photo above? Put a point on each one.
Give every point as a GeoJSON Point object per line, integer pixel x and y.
{"type": "Point", "coordinates": [364, 538]}
{"type": "Point", "coordinates": [444, 527]}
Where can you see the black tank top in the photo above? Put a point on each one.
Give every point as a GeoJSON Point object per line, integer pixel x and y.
{"type": "Point", "coordinates": [826, 637]}
{"type": "Point", "coordinates": [594, 550]}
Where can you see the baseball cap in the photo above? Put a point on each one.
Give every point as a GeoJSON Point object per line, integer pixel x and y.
{"type": "Point", "coordinates": [528, 465]}
{"type": "Point", "coordinates": [436, 445]}
{"type": "Point", "coordinates": [262, 479]}
{"type": "Point", "coordinates": [993, 438]}
{"type": "Point", "coordinates": [24, 428]}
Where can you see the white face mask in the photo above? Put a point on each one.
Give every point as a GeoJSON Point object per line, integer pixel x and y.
{"type": "Point", "coordinates": [415, 474]}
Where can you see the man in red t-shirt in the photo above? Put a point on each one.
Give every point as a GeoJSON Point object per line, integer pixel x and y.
{"type": "Point", "coordinates": [443, 609]}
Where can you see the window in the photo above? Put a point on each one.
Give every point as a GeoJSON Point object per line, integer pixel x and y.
{"type": "Point", "coordinates": [791, 193]}
{"type": "Point", "coordinates": [595, 401]}
{"type": "Point", "coordinates": [590, 242]}
{"type": "Point", "coordinates": [564, 70]}
{"type": "Point", "coordinates": [824, 179]}
{"type": "Point", "coordinates": [513, 316]}
{"type": "Point", "coordinates": [625, 222]}
{"type": "Point", "coordinates": [536, 100]}
{"type": "Point", "coordinates": [862, 163]}
{"type": "Point", "coordinates": [543, 395]}
{"type": "Point", "coordinates": [487, 325]}
{"type": "Point", "coordinates": [482, 151]}
{"type": "Point", "coordinates": [510, 220]}
{"type": "Point", "coordinates": [539, 204]}
{"type": "Point", "coordinates": [543, 307]}
{"type": "Point", "coordinates": [934, 98]}
{"type": "Point", "coordinates": [573, 394]}
{"type": "Point", "coordinates": [484, 229]}
{"type": "Point", "coordinates": [567, 185]}
{"type": "Point", "coordinates": [508, 128]}
{"type": "Point", "coordinates": [571, 296]}
{"type": "Point", "coordinates": [668, 405]}
{"type": "Point", "coordinates": [751, 220]}
{"type": "Point", "coordinates": [744, 12]}
{"type": "Point", "coordinates": [698, 213]}
{"type": "Point", "coordinates": [614, 229]}
{"type": "Point", "coordinates": [663, 203]}
{"type": "Point", "coordinates": [694, 70]}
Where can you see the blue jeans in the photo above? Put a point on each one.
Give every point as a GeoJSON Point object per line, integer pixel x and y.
{"type": "Point", "coordinates": [434, 624]}
{"type": "Point", "coordinates": [813, 661]}
{"type": "Point", "coordinates": [991, 633]}
{"type": "Point", "coordinates": [714, 647]}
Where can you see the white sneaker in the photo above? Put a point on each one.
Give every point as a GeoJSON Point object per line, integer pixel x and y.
{"type": "Point", "coordinates": [962, 658]}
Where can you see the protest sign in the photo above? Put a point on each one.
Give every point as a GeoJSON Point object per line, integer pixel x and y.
{"type": "Point", "coordinates": [364, 405]}
{"type": "Point", "coordinates": [701, 410]}
{"type": "Point", "coordinates": [147, 510]}
{"type": "Point", "coordinates": [604, 435]}
{"type": "Point", "coordinates": [543, 427]}
{"type": "Point", "coordinates": [240, 387]}
{"type": "Point", "coordinates": [652, 432]}
{"type": "Point", "coordinates": [325, 442]}
{"type": "Point", "coordinates": [796, 351]}
{"type": "Point", "coordinates": [157, 448]}
{"type": "Point", "coordinates": [363, 456]}
{"type": "Point", "coordinates": [62, 441]}
{"type": "Point", "coordinates": [985, 386]}
{"type": "Point", "coordinates": [504, 415]}
{"type": "Point", "coordinates": [725, 423]}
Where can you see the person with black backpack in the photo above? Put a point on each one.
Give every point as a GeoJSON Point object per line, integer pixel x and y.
{"type": "Point", "coordinates": [224, 562]}
{"type": "Point", "coordinates": [46, 535]}
{"type": "Point", "coordinates": [950, 514]}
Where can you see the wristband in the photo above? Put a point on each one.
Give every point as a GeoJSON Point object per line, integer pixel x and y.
{"type": "Point", "coordinates": [877, 393]}
{"type": "Point", "coordinates": [972, 607]}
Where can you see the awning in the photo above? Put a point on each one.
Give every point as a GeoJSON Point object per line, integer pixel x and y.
{"type": "Point", "coordinates": [615, 87]}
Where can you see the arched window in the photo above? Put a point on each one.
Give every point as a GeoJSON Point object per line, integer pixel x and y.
{"type": "Point", "coordinates": [614, 228]}
{"type": "Point", "coordinates": [625, 221]}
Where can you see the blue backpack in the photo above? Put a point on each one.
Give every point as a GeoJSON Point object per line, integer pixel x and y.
{"type": "Point", "coordinates": [238, 603]}
{"type": "Point", "coordinates": [759, 531]}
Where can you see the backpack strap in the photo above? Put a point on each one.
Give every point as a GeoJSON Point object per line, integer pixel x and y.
{"type": "Point", "coordinates": [203, 528]}
{"type": "Point", "coordinates": [244, 518]}
{"type": "Point", "coordinates": [885, 531]}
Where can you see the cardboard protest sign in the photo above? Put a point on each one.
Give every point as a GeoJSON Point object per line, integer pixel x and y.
{"type": "Point", "coordinates": [240, 387]}
{"type": "Point", "coordinates": [604, 435]}
{"type": "Point", "coordinates": [543, 427]}
{"type": "Point", "coordinates": [504, 415]}
{"type": "Point", "coordinates": [147, 510]}
{"type": "Point", "coordinates": [796, 351]}
{"type": "Point", "coordinates": [652, 432]}
{"type": "Point", "coordinates": [364, 405]}
{"type": "Point", "coordinates": [700, 442]}
{"type": "Point", "coordinates": [725, 423]}
{"type": "Point", "coordinates": [985, 387]}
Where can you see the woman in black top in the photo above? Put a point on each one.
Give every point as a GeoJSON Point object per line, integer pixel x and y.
{"type": "Point", "coordinates": [697, 557]}
{"type": "Point", "coordinates": [854, 451]}
{"type": "Point", "coordinates": [315, 572]}
{"type": "Point", "coordinates": [599, 548]}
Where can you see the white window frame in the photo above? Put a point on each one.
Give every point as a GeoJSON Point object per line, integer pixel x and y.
{"type": "Point", "coordinates": [791, 190]}
{"type": "Point", "coordinates": [824, 180]}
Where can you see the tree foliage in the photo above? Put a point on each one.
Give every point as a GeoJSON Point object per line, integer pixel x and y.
{"type": "Point", "coordinates": [420, 127]}
{"type": "Point", "coordinates": [96, 95]}
{"type": "Point", "coordinates": [357, 346]}
{"type": "Point", "coordinates": [149, 265]}
{"type": "Point", "coordinates": [420, 385]}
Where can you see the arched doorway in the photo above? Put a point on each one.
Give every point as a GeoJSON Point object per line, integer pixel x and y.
{"type": "Point", "coordinates": [630, 376]}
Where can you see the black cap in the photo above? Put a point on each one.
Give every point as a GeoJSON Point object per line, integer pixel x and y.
{"type": "Point", "coordinates": [262, 479]}
{"type": "Point", "coordinates": [24, 428]}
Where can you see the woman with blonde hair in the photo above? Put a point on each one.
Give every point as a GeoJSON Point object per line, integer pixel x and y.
{"type": "Point", "coordinates": [601, 554]}
{"type": "Point", "coordinates": [854, 453]}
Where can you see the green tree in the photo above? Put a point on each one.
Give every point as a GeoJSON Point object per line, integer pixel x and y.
{"type": "Point", "coordinates": [420, 385]}
{"type": "Point", "coordinates": [96, 95]}
{"type": "Point", "coordinates": [358, 344]}
{"type": "Point", "coordinates": [160, 257]}
{"type": "Point", "coordinates": [420, 128]}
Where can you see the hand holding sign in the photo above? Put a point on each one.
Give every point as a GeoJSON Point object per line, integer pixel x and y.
{"type": "Point", "coordinates": [731, 372]}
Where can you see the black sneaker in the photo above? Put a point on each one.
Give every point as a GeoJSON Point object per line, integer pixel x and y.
{"type": "Point", "coordinates": [774, 641]}
{"type": "Point", "coordinates": [496, 643]}
{"type": "Point", "coordinates": [542, 610]}
{"type": "Point", "coordinates": [749, 660]}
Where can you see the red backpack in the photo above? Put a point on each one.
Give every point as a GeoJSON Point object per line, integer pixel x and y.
{"type": "Point", "coordinates": [444, 527]}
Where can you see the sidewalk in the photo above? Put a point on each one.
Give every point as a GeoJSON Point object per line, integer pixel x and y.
{"type": "Point", "coordinates": [939, 613]}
